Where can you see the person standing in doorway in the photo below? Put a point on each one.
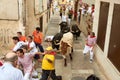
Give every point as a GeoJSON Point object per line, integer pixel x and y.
{"type": "Point", "coordinates": [90, 44]}
{"type": "Point", "coordinates": [38, 37]}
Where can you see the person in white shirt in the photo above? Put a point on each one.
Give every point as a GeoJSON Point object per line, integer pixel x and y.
{"type": "Point", "coordinates": [89, 11]}
{"type": "Point", "coordinates": [64, 18]}
{"type": "Point", "coordinates": [31, 45]}
{"type": "Point", "coordinates": [17, 43]}
{"type": "Point", "coordinates": [90, 44]}
{"type": "Point", "coordinates": [8, 70]}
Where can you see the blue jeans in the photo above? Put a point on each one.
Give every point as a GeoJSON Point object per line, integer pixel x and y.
{"type": "Point", "coordinates": [39, 46]}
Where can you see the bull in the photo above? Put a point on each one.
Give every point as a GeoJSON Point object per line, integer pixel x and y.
{"type": "Point", "coordinates": [56, 40]}
{"type": "Point", "coordinates": [62, 25]}
{"type": "Point", "coordinates": [65, 29]}
{"type": "Point", "coordinates": [75, 30]}
{"type": "Point", "coordinates": [66, 46]}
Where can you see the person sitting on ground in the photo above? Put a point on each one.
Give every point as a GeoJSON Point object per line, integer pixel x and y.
{"type": "Point", "coordinates": [21, 37]}
{"type": "Point", "coordinates": [8, 70]}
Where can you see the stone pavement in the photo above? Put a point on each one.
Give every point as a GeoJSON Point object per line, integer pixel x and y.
{"type": "Point", "coordinates": [78, 69]}
{"type": "Point", "coordinates": [89, 1]}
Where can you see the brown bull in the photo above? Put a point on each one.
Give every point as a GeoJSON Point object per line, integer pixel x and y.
{"type": "Point", "coordinates": [66, 46]}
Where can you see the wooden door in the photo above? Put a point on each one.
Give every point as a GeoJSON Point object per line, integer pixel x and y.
{"type": "Point", "coordinates": [114, 46]}
{"type": "Point", "coordinates": [103, 18]}
{"type": "Point", "coordinates": [41, 23]}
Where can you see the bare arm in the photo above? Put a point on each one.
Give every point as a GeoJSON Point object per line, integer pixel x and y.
{"type": "Point", "coordinates": [40, 53]}
{"type": "Point", "coordinates": [30, 49]}
{"type": "Point", "coordinates": [50, 61]}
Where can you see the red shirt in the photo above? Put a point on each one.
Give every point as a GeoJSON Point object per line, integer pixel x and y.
{"type": "Point", "coordinates": [53, 53]}
{"type": "Point", "coordinates": [22, 38]}
{"type": "Point", "coordinates": [1, 63]}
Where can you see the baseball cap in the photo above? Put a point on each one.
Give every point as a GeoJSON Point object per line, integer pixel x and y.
{"type": "Point", "coordinates": [49, 48]}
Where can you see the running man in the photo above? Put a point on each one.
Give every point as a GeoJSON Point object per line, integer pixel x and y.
{"type": "Point", "coordinates": [90, 44]}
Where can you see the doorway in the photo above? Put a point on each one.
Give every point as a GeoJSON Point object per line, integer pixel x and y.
{"type": "Point", "coordinates": [103, 18]}
{"type": "Point", "coordinates": [114, 46]}
{"type": "Point", "coordinates": [41, 23]}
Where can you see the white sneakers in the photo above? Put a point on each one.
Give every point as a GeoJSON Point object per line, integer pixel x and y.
{"type": "Point", "coordinates": [91, 60]}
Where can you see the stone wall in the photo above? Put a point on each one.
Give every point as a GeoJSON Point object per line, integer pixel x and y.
{"type": "Point", "coordinates": [25, 21]}
{"type": "Point", "coordinates": [7, 31]}
{"type": "Point", "coordinates": [10, 21]}
{"type": "Point", "coordinates": [32, 18]}
{"type": "Point", "coordinates": [9, 10]}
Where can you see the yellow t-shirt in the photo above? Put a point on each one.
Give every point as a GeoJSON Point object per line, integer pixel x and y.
{"type": "Point", "coordinates": [47, 65]}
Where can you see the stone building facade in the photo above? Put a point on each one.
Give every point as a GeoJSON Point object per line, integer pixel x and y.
{"type": "Point", "coordinates": [22, 15]}
{"type": "Point", "coordinates": [10, 19]}
{"type": "Point", "coordinates": [107, 28]}
{"type": "Point", "coordinates": [38, 14]}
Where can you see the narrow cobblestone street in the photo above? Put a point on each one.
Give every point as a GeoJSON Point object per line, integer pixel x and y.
{"type": "Point", "coordinates": [27, 26]}
{"type": "Point", "coordinates": [80, 68]}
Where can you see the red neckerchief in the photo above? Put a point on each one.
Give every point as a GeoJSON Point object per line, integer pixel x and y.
{"type": "Point", "coordinates": [53, 53]}
{"type": "Point", "coordinates": [92, 36]}
{"type": "Point", "coordinates": [1, 63]}
{"type": "Point", "coordinates": [29, 44]}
